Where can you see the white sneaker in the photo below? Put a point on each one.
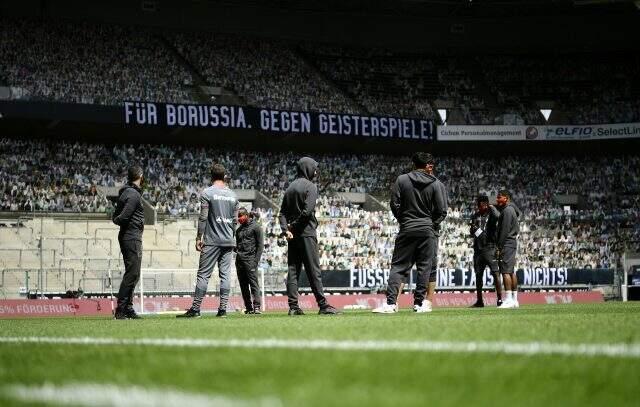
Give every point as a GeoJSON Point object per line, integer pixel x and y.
{"type": "Point", "coordinates": [507, 304]}
{"type": "Point", "coordinates": [386, 309]}
{"type": "Point", "coordinates": [425, 307]}
{"type": "Point", "coordinates": [516, 304]}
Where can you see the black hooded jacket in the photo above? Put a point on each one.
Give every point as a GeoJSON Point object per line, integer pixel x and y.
{"type": "Point", "coordinates": [508, 225]}
{"type": "Point", "coordinates": [298, 210]}
{"type": "Point", "coordinates": [129, 213]}
{"type": "Point", "coordinates": [419, 203]}
{"type": "Point", "coordinates": [489, 224]}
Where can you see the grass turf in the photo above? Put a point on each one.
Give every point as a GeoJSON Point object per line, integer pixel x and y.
{"type": "Point", "coordinates": [354, 378]}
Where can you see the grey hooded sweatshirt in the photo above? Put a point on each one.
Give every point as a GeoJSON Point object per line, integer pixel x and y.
{"type": "Point", "coordinates": [419, 203]}
{"type": "Point", "coordinates": [298, 210]}
{"type": "Point", "coordinates": [508, 225]}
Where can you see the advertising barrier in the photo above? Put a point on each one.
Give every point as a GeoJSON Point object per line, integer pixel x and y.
{"type": "Point", "coordinates": [87, 307]}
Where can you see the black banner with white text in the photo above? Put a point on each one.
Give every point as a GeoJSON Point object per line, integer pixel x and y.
{"type": "Point", "coordinates": [452, 278]}
{"type": "Point", "coordinates": [276, 121]}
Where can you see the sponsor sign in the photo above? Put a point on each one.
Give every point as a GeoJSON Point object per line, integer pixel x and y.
{"type": "Point", "coordinates": [475, 133]}
{"type": "Point", "coordinates": [102, 307]}
{"type": "Point", "coordinates": [542, 133]}
{"type": "Point", "coordinates": [592, 132]}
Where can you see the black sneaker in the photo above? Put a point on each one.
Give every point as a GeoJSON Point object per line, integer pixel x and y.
{"type": "Point", "coordinates": [222, 313]}
{"type": "Point", "coordinates": [478, 304]}
{"type": "Point", "coordinates": [120, 314]}
{"type": "Point", "coordinates": [249, 312]}
{"type": "Point", "coordinates": [191, 313]}
{"type": "Point", "coordinates": [131, 314]}
{"type": "Point", "coordinates": [329, 310]}
{"type": "Point", "coordinates": [499, 303]}
{"type": "Point", "coordinates": [296, 311]}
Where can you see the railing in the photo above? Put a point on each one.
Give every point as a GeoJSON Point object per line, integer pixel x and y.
{"type": "Point", "coordinates": [20, 251]}
{"type": "Point", "coordinates": [18, 225]}
{"type": "Point", "coordinates": [189, 245]}
{"type": "Point", "coordinates": [64, 224]}
{"type": "Point", "coordinates": [183, 230]}
{"type": "Point", "coordinates": [155, 233]}
{"type": "Point", "coordinates": [164, 251]}
{"type": "Point", "coordinates": [84, 239]}
{"type": "Point", "coordinates": [84, 261]}
{"type": "Point", "coordinates": [42, 278]}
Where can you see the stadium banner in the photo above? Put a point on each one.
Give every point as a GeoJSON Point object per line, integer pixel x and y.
{"type": "Point", "coordinates": [225, 117]}
{"type": "Point", "coordinates": [40, 308]}
{"type": "Point", "coordinates": [463, 278]}
{"type": "Point", "coordinates": [275, 121]}
{"type": "Point", "coordinates": [592, 132]}
{"type": "Point", "coordinates": [539, 133]}
{"type": "Point", "coordinates": [483, 133]}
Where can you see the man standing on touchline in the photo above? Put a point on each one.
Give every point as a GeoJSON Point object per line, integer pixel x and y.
{"type": "Point", "coordinates": [507, 245]}
{"type": "Point", "coordinates": [419, 203]}
{"type": "Point", "coordinates": [129, 215]}
{"type": "Point", "coordinates": [215, 240]}
{"type": "Point", "coordinates": [249, 246]}
{"type": "Point", "coordinates": [483, 231]}
{"type": "Point", "coordinates": [298, 223]}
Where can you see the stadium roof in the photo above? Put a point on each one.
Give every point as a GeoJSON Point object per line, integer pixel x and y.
{"type": "Point", "coordinates": [448, 8]}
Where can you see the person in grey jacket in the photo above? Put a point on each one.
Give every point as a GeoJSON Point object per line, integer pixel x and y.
{"type": "Point", "coordinates": [215, 240]}
{"type": "Point", "coordinates": [298, 223]}
{"type": "Point", "coordinates": [129, 215]}
{"type": "Point", "coordinates": [507, 245]}
{"type": "Point", "coordinates": [249, 247]}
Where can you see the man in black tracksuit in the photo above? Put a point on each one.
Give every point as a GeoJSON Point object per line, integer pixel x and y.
{"type": "Point", "coordinates": [483, 231]}
{"type": "Point", "coordinates": [129, 215]}
{"type": "Point", "coordinates": [298, 222]}
{"type": "Point", "coordinates": [507, 245]}
{"type": "Point", "coordinates": [419, 203]}
{"type": "Point", "coordinates": [249, 246]}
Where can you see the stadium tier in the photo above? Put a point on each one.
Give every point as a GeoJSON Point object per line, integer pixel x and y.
{"type": "Point", "coordinates": [107, 64]}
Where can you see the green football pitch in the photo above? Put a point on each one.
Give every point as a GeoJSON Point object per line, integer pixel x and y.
{"type": "Point", "coordinates": [535, 355]}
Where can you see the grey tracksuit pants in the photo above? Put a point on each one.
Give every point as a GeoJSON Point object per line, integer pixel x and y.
{"type": "Point", "coordinates": [209, 256]}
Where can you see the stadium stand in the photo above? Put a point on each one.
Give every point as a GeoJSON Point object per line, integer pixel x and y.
{"type": "Point", "coordinates": [265, 74]}
{"type": "Point", "coordinates": [106, 64]}
{"type": "Point", "coordinates": [67, 179]}
{"type": "Point", "coordinates": [88, 63]}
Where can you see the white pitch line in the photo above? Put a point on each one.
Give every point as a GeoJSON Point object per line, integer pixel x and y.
{"type": "Point", "coordinates": [617, 350]}
{"type": "Point", "coordinates": [109, 395]}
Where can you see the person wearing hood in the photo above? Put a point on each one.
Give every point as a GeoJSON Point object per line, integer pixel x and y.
{"type": "Point", "coordinates": [298, 223]}
{"type": "Point", "coordinates": [419, 203]}
{"type": "Point", "coordinates": [129, 215]}
{"type": "Point", "coordinates": [506, 246]}
{"type": "Point", "coordinates": [249, 247]}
